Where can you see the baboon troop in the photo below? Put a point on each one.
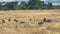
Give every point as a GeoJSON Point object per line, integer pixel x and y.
{"type": "Point", "coordinates": [22, 22]}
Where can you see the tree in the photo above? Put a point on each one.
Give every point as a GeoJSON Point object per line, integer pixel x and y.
{"type": "Point", "coordinates": [11, 5]}
{"type": "Point", "coordinates": [49, 5]}
{"type": "Point", "coordinates": [22, 6]}
{"type": "Point", "coordinates": [2, 5]}
{"type": "Point", "coordinates": [35, 4]}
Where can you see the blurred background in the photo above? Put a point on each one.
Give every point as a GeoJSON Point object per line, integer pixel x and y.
{"type": "Point", "coordinates": [29, 4]}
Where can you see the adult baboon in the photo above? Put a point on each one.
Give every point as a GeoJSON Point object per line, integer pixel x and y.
{"type": "Point", "coordinates": [15, 20]}
{"type": "Point", "coordinates": [22, 22]}
{"type": "Point", "coordinates": [3, 21]}
{"type": "Point", "coordinates": [47, 20]}
{"type": "Point", "coordinates": [40, 23]}
{"type": "Point", "coordinates": [30, 19]}
{"type": "Point", "coordinates": [44, 20]}
{"type": "Point", "coordinates": [9, 20]}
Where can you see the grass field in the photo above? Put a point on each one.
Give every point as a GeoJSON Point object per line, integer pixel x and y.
{"type": "Point", "coordinates": [27, 22]}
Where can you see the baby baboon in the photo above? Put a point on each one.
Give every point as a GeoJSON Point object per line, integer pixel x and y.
{"type": "Point", "coordinates": [15, 20]}
{"type": "Point", "coordinates": [44, 20]}
{"type": "Point", "coordinates": [3, 21]}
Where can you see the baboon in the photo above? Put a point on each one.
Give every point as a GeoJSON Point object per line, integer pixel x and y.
{"type": "Point", "coordinates": [44, 20]}
{"type": "Point", "coordinates": [15, 20]}
{"type": "Point", "coordinates": [9, 20]}
{"type": "Point", "coordinates": [22, 22]}
{"type": "Point", "coordinates": [40, 23]}
{"type": "Point", "coordinates": [3, 21]}
{"type": "Point", "coordinates": [47, 20]}
{"type": "Point", "coordinates": [30, 19]}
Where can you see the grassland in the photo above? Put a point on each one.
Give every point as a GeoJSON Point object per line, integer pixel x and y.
{"type": "Point", "coordinates": [30, 26]}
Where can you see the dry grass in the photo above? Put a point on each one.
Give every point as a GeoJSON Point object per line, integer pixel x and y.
{"type": "Point", "coordinates": [30, 19]}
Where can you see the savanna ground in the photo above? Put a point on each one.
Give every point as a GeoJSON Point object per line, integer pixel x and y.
{"type": "Point", "coordinates": [28, 22]}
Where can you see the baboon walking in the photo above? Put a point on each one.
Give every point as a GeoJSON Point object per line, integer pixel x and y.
{"type": "Point", "coordinates": [15, 20]}
{"type": "Point", "coordinates": [47, 20]}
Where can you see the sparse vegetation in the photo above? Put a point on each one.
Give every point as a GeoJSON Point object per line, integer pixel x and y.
{"type": "Point", "coordinates": [25, 23]}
